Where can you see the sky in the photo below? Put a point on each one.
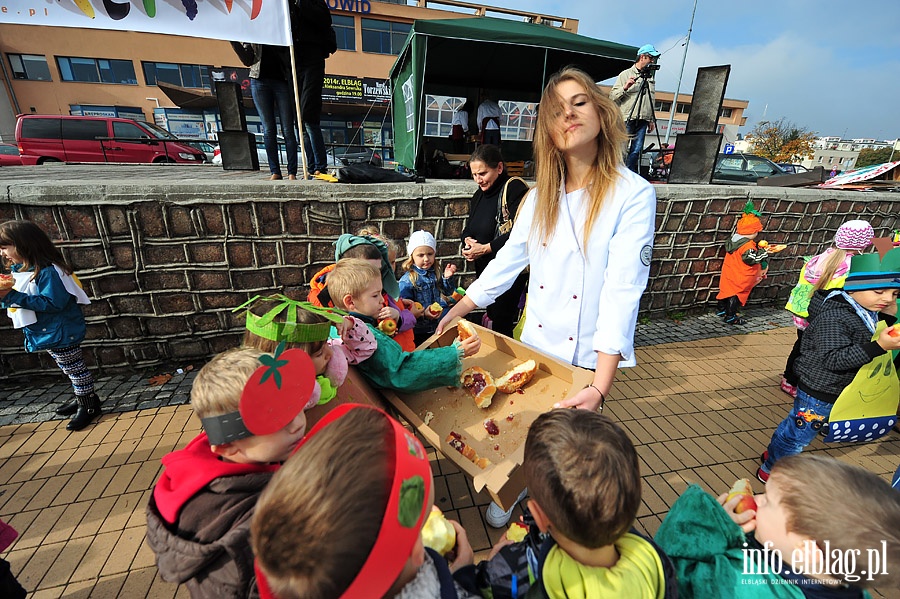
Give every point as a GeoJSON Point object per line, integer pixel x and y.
{"type": "Point", "coordinates": [826, 66]}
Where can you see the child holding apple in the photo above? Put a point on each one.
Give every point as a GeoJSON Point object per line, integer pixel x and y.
{"type": "Point", "coordinates": [815, 510]}
{"type": "Point", "coordinates": [422, 284]}
{"type": "Point", "coordinates": [842, 339]}
{"type": "Point", "coordinates": [355, 286]}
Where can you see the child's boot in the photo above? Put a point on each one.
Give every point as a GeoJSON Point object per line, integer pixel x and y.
{"type": "Point", "coordinates": [88, 411]}
{"type": "Point", "coordinates": [732, 317]}
{"type": "Point", "coordinates": [68, 408]}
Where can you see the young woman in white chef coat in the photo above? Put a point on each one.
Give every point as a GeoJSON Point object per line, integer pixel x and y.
{"type": "Point", "coordinates": [586, 230]}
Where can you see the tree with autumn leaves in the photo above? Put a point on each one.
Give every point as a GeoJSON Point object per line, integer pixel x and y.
{"type": "Point", "coordinates": [781, 141]}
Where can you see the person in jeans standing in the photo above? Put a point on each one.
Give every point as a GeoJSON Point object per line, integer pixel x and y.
{"type": "Point", "coordinates": [314, 41]}
{"type": "Point", "coordinates": [270, 84]}
{"type": "Point", "coordinates": [637, 111]}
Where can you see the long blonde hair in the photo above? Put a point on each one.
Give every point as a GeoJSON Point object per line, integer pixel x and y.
{"type": "Point", "coordinates": [829, 267]}
{"type": "Point", "coordinates": [551, 165]}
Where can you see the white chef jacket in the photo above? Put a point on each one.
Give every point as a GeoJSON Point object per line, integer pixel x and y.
{"type": "Point", "coordinates": [461, 118]}
{"type": "Point", "coordinates": [580, 303]}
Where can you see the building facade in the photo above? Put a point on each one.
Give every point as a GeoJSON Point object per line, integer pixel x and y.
{"type": "Point", "coordinates": [169, 79]}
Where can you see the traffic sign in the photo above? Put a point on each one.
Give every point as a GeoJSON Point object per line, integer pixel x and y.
{"type": "Point", "coordinates": [728, 149]}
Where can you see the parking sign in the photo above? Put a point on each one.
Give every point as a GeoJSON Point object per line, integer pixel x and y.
{"type": "Point", "coordinates": [728, 149]}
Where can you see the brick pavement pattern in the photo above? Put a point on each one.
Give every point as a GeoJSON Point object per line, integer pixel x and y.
{"type": "Point", "coordinates": [698, 410]}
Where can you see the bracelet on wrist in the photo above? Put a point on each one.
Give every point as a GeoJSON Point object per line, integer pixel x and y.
{"type": "Point", "coordinates": [602, 397]}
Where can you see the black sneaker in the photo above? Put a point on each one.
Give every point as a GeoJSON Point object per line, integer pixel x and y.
{"type": "Point", "coordinates": [735, 320]}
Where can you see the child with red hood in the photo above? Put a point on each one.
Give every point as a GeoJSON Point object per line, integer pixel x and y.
{"type": "Point", "coordinates": [252, 406]}
{"type": "Point", "coordinates": [744, 266]}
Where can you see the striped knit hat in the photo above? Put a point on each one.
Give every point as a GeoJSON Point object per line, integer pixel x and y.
{"type": "Point", "coordinates": [854, 235]}
{"type": "Point", "coordinates": [869, 271]}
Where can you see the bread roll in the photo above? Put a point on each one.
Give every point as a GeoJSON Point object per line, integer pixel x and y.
{"type": "Point", "coordinates": [516, 378]}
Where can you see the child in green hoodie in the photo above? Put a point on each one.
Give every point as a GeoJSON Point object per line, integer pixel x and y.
{"type": "Point", "coordinates": [821, 529]}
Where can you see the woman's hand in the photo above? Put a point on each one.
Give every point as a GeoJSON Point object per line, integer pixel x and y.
{"type": "Point", "coordinates": [746, 520]}
{"type": "Point", "coordinates": [476, 250]}
{"type": "Point", "coordinates": [586, 399]}
{"type": "Point", "coordinates": [462, 307]}
{"type": "Point", "coordinates": [449, 270]}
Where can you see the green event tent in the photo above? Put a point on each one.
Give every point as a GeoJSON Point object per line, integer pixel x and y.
{"type": "Point", "coordinates": [488, 53]}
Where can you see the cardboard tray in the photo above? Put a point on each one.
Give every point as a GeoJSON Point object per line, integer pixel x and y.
{"type": "Point", "coordinates": [454, 410]}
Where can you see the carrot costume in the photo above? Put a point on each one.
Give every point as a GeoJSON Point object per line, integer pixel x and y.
{"type": "Point", "coordinates": [743, 266]}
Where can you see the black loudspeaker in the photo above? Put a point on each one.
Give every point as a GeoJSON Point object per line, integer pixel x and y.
{"type": "Point", "coordinates": [238, 151]}
{"type": "Point", "coordinates": [231, 106]}
{"type": "Point", "coordinates": [695, 157]}
{"type": "Point", "coordinates": [709, 91]}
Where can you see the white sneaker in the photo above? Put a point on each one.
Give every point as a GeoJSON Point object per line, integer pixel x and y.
{"type": "Point", "coordinates": [496, 517]}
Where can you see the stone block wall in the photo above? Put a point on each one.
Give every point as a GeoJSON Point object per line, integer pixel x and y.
{"type": "Point", "coordinates": [165, 264]}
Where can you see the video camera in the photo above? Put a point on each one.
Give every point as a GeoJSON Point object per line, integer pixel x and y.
{"type": "Point", "coordinates": [648, 70]}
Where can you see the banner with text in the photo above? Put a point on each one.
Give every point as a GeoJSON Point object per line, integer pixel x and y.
{"type": "Point", "coordinates": [356, 90]}
{"type": "Point", "coordinates": [256, 21]}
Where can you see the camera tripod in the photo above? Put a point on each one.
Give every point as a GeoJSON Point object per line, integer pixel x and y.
{"type": "Point", "coordinates": [643, 95]}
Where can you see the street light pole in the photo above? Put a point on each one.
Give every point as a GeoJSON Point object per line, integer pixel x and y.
{"type": "Point", "coordinates": [680, 75]}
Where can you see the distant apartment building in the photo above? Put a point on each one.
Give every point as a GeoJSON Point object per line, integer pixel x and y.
{"type": "Point", "coordinates": [836, 153]}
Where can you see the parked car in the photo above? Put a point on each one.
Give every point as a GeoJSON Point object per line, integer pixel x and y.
{"type": "Point", "coordinates": [744, 169]}
{"type": "Point", "coordinates": [53, 138]}
{"type": "Point", "coordinates": [282, 153]}
{"type": "Point", "coordinates": [793, 168]}
{"type": "Point", "coordinates": [207, 147]}
{"type": "Point", "coordinates": [9, 155]}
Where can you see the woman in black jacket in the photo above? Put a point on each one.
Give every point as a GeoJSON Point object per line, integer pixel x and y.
{"type": "Point", "coordinates": [484, 233]}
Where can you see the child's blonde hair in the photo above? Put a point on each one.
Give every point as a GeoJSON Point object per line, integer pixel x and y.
{"type": "Point", "coordinates": [827, 500]}
{"type": "Point", "coordinates": [318, 518]}
{"type": "Point", "coordinates": [218, 386]}
{"type": "Point", "coordinates": [372, 230]}
{"type": "Point", "coordinates": [350, 276]}
{"type": "Point", "coordinates": [260, 308]}
{"type": "Point", "coordinates": [829, 267]}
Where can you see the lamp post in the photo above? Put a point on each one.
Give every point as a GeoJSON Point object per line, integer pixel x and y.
{"type": "Point", "coordinates": [680, 75]}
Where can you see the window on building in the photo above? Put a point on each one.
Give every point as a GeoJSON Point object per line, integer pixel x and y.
{"type": "Point", "coordinates": [517, 120]}
{"type": "Point", "coordinates": [439, 114]}
{"type": "Point", "coordinates": [383, 37]}
{"type": "Point", "coordinates": [182, 75]}
{"type": "Point", "coordinates": [661, 106]}
{"type": "Point", "coordinates": [820, 159]}
{"type": "Point", "coordinates": [725, 113]}
{"type": "Point", "coordinates": [96, 70]}
{"type": "Point", "coordinates": [29, 66]}
{"type": "Point", "coordinates": [683, 108]}
{"type": "Point", "coordinates": [345, 30]}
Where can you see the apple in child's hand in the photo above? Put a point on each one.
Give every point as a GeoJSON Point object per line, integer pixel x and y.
{"type": "Point", "coordinates": [434, 310]}
{"type": "Point", "coordinates": [742, 489]}
{"type": "Point", "coordinates": [763, 244]}
{"type": "Point", "coordinates": [388, 326]}
{"type": "Point", "coordinates": [894, 331]}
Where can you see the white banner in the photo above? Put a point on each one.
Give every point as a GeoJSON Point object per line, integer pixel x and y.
{"type": "Point", "coordinates": [257, 21]}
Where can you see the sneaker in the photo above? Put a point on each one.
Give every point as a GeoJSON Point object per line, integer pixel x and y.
{"type": "Point", "coordinates": [734, 320]}
{"type": "Point", "coordinates": [788, 388]}
{"type": "Point", "coordinates": [764, 456]}
{"type": "Point", "coordinates": [762, 475]}
{"type": "Point", "coordinates": [721, 313]}
{"type": "Point", "coordinates": [496, 517]}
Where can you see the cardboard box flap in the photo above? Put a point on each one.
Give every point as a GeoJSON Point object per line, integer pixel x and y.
{"type": "Point", "coordinates": [438, 413]}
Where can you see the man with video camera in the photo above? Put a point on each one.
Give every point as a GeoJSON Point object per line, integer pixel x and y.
{"type": "Point", "coordinates": [633, 92]}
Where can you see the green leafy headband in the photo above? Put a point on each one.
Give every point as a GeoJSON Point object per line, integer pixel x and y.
{"type": "Point", "coordinates": [290, 330]}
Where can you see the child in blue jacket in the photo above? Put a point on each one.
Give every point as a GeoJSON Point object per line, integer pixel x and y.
{"type": "Point", "coordinates": [45, 304]}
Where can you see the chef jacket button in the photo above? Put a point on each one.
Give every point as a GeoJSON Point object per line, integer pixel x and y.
{"type": "Point", "coordinates": [540, 326]}
{"type": "Point", "coordinates": [570, 339]}
{"type": "Point", "coordinates": [541, 287]}
{"type": "Point", "coordinates": [574, 297]}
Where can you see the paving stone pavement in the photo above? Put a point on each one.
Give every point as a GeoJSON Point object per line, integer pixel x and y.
{"type": "Point", "coordinates": [700, 406]}
{"type": "Point", "coordinates": [124, 393]}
